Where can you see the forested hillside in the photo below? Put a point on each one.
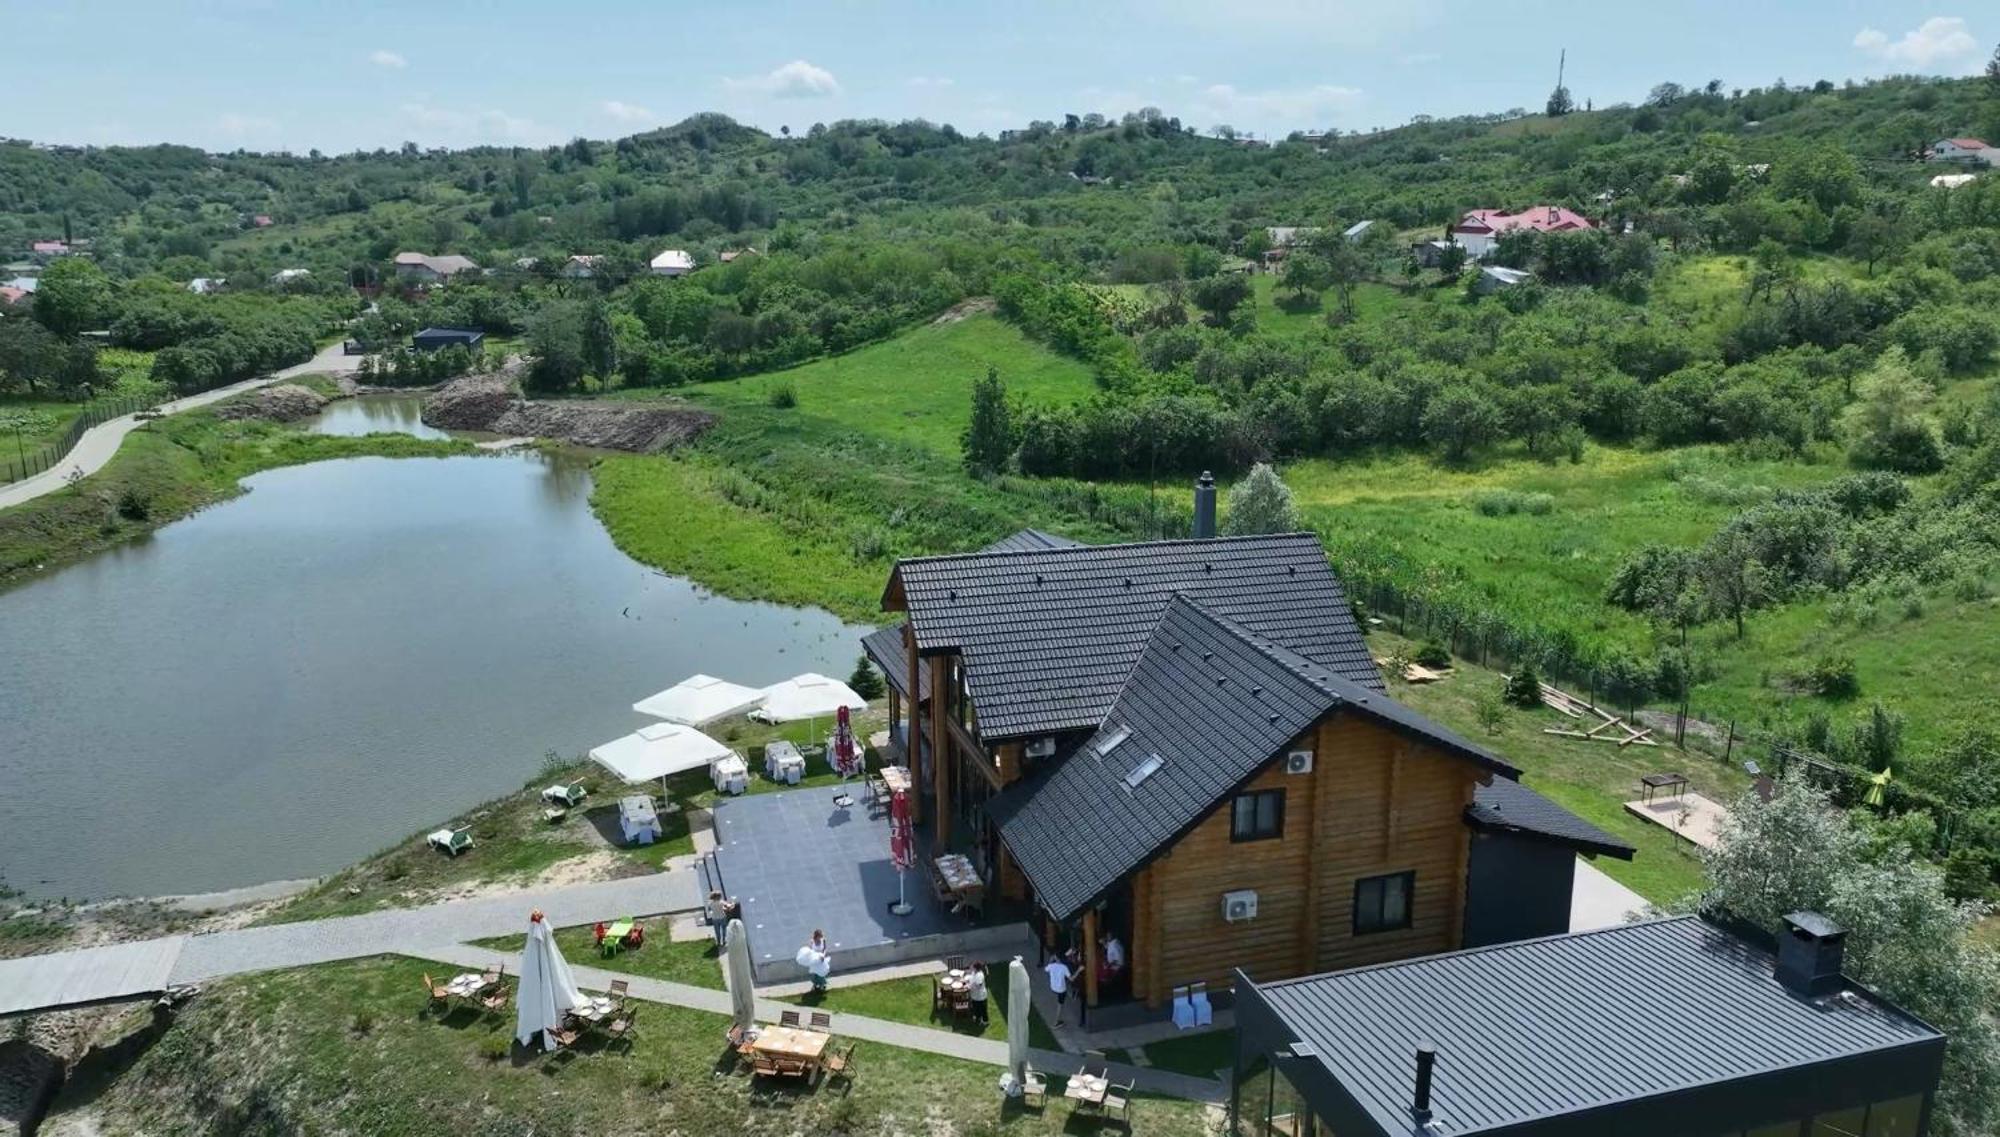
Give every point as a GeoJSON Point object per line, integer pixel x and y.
{"type": "Point", "coordinates": [1736, 448]}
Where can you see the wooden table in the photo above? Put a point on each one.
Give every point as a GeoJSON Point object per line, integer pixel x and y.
{"type": "Point", "coordinates": [1087, 1089]}
{"type": "Point", "coordinates": [897, 778]}
{"type": "Point", "coordinates": [790, 1042]}
{"type": "Point", "coordinates": [956, 870]}
{"type": "Point", "coordinates": [1653, 783]}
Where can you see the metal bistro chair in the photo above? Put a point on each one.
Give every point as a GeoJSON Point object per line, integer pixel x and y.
{"type": "Point", "coordinates": [622, 1027]}
{"type": "Point", "coordinates": [618, 989]}
{"type": "Point", "coordinates": [1034, 1088]}
{"type": "Point", "coordinates": [1118, 1103]}
{"type": "Point", "coordinates": [822, 1022]}
{"type": "Point", "coordinates": [840, 1063]}
{"type": "Point", "coordinates": [789, 1018]}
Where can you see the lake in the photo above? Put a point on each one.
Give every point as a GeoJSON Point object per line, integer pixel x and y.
{"type": "Point", "coordinates": [351, 652]}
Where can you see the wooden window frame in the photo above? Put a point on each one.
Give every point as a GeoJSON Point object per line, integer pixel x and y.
{"type": "Point", "coordinates": [1277, 832]}
{"type": "Point", "coordinates": [1368, 923]}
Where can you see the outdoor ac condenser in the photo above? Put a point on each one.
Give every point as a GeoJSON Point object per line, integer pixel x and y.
{"type": "Point", "coordinates": [1240, 905]}
{"type": "Point", "coordinates": [1041, 748]}
{"type": "Point", "coordinates": [1299, 762]}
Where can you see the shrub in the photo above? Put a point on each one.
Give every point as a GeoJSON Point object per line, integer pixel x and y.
{"type": "Point", "coordinates": [1492, 712]}
{"type": "Point", "coordinates": [395, 868]}
{"type": "Point", "coordinates": [1433, 654]}
{"type": "Point", "coordinates": [1504, 503]}
{"type": "Point", "coordinates": [1524, 687]}
{"type": "Point", "coordinates": [865, 681]}
{"type": "Point", "coordinates": [783, 396]}
{"type": "Point", "coordinates": [1831, 676]}
{"type": "Point", "coordinates": [496, 1048]}
{"type": "Point", "coordinates": [134, 504]}
{"type": "Point", "coordinates": [362, 1023]}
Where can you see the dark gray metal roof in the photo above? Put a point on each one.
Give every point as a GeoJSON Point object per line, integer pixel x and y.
{"type": "Point", "coordinates": [1512, 807]}
{"type": "Point", "coordinates": [1215, 703]}
{"type": "Point", "coordinates": [1030, 541]}
{"type": "Point", "coordinates": [1048, 636]}
{"type": "Point", "coordinates": [1556, 1026]}
{"type": "Point", "coordinates": [885, 647]}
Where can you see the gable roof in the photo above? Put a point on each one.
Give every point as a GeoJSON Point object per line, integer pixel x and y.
{"type": "Point", "coordinates": [1507, 806]}
{"type": "Point", "coordinates": [1550, 1027]}
{"type": "Point", "coordinates": [1547, 218]}
{"type": "Point", "coordinates": [1968, 143]}
{"type": "Point", "coordinates": [1048, 636]}
{"type": "Point", "coordinates": [1030, 540]}
{"type": "Point", "coordinates": [1215, 703]}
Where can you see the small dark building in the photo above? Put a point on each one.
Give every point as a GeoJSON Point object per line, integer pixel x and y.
{"type": "Point", "coordinates": [1521, 871]}
{"type": "Point", "coordinates": [1661, 1029]}
{"type": "Point", "coordinates": [431, 339]}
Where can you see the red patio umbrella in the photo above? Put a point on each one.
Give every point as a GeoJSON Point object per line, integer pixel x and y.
{"type": "Point", "coordinates": [846, 755]}
{"type": "Point", "coordinates": [902, 846]}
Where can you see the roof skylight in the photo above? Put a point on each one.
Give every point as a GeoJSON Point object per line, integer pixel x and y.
{"type": "Point", "coordinates": [1144, 770]}
{"type": "Point", "coordinates": [1110, 742]}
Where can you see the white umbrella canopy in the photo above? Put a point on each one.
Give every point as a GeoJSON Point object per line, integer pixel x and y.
{"type": "Point", "coordinates": [742, 984]}
{"type": "Point", "coordinates": [657, 750]}
{"type": "Point", "coordinates": [808, 696]}
{"type": "Point", "coordinates": [547, 988]}
{"type": "Point", "coordinates": [699, 700]}
{"type": "Point", "coordinates": [1019, 1009]}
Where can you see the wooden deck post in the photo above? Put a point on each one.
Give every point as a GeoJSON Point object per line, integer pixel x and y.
{"type": "Point", "coordinates": [941, 752]}
{"type": "Point", "coordinates": [1090, 957]}
{"type": "Point", "coordinates": [913, 736]}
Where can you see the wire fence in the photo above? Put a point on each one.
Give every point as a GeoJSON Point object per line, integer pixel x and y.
{"type": "Point", "coordinates": [23, 461]}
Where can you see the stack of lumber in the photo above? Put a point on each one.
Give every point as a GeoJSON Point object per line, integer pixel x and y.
{"type": "Point", "coordinates": [1606, 727]}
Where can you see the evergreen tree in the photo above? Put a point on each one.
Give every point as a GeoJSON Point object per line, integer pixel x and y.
{"type": "Point", "coordinates": [988, 441]}
{"type": "Point", "coordinates": [600, 342]}
{"type": "Point", "coordinates": [865, 681]}
{"type": "Point", "coordinates": [1260, 503]}
{"type": "Point", "coordinates": [1560, 103]}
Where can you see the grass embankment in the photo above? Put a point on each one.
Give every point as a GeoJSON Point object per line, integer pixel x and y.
{"type": "Point", "coordinates": [350, 1048]}
{"type": "Point", "coordinates": [166, 470]}
{"type": "Point", "coordinates": [1590, 779]}
{"type": "Point", "coordinates": [696, 963]}
{"type": "Point", "coordinates": [513, 846]}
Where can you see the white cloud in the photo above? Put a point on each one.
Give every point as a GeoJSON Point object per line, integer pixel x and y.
{"type": "Point", "coordinates": [627, 112]}
{"type": "Point", "coordinates": [236, 124]}
{"type": "Point", "coordinates": [1938, 40]}
{"type": "Point", "coordinates": [1277, 110]}
{"type": "Point", "coordinates": [387, 58]}
{"type": "Point", "coordinates": [473, 127]}
{"type": "Point", "coordinates": [795, 80]}
{"type": "Point", "coordinates": [929, 81]}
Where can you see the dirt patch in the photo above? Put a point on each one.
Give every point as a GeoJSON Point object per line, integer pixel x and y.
{"type": "Point", "coordinates": [493, 403]}
{"type": "Point", "coordinates": [280, 402]}
{"type": "Point", "coordinates": [586, 869]}
{"type": "Point", "coordinates": [959, 311]}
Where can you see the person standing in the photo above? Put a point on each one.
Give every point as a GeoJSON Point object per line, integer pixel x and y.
{"type": "Point", "coordinates": [821, 964]}
{"type": "Point", "coordinates": [1057, 969]}
{"type": "Point", "coordinates": [976, 993]}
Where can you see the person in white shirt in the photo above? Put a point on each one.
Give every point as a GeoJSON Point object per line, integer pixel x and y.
{"type": "Point", "coordinates": [975, 992]}
{"type": "Point", "coordinates": [1114, 955]}
{"type": "Point", "coordinates": [1059, 975]}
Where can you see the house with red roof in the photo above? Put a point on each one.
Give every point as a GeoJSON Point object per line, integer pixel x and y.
{"type": "Point", "coordinates": [10, 295]}
{"type": "Point", "coordinates": [1963, 150]}
{"type": "Point", "coordinates": [43, 250]}
{"type": "Point", "coordinates": [1479, 230]}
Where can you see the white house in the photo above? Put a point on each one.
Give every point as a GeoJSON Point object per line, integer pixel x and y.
{"type": "Point", "coordinates": [203, 285]}
{"type": "Point", "coordinates": [581, 266]}
{"type": "Point", "coordinates": [1479, 230]}
{"type": "Point", "coordinates": [673, 262]}
{"type": "Point", "coordinates": [1963, 150]}
{"type": "Point", "coordinates": [285, 276]}
{"type": "Point", "coordinates": [420, 268]}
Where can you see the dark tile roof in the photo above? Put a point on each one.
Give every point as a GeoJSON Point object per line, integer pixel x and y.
{"type": "Point", "coordinates": [1048, 636]}
{"type": "Point", "coordinates": [1216, 703]}
{"type": "Point", "coordinates": [1560, 1025]}
{"type": "Point", "coordinates": [885, 647]}
{"type": "Point", "coordinates": [1509, 806]}
{"type": "Point", "coordinates": [1030, 541]}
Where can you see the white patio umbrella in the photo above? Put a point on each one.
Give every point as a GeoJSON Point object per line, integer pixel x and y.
{"type": "Point", "coordinates": [658, 750]}
{"type": "Point", "coordinates": [809, 696]}
{"type": "Point", "coordinates": [699, 700]}
{"type": "Point", "coordinates": [742, 984]}
{"type": "Point", "coordinates": [547, 989]}
{"type": "Point", "coordinates": [1019, 1010]}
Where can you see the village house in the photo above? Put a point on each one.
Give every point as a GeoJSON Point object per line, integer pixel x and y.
{"type": "Point", "coordinates": [48, 250]}
{"type": "Point", "coordinates": [1357, 230]}
{"type": "Point", "coordinates": [10, 295]}
{"type": "Point", "coordinates": [581, 266]}
{"type": "Point", "coordinates": [1481, 229]}
{"type": "Point", "coordinates": [729, 256]}
{"type": "Point", "coordinates": [22, 283]}
{"type": "Point", "coordinates": [1186, 745]}
{"type": "Point", "coordinates": [286, 276]}
{"type": "Point", "coordinates": [204, 285]}
{"type": "Point", "coordinates": [672, 262]}
{"type": "Point", "coordinates": [1654, 1029]}
{"type": "Point", "coordinates": [1973, 151]}
{"type": "Point", "coordinates": [421, 268]}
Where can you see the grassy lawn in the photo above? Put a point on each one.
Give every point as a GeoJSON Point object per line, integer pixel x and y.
{"type": "Point", "coordinates": [1590, 779]}
{"type": "Point", "coordinates": [917, 387]}
{"type": "Point", "coordinates": [908, 1000]}
{"type": "Point", "coordinates": [694, 963]}
{"type": "Point", "coordinates": [350, 1048]}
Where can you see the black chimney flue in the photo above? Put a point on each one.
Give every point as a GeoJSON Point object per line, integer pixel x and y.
{"type": "Point", "coordinates": [1810, 952]}
{"type": "Point", "coordinates": [1204, 505]}
{"type": "Point", "coordinates": [1420, 1106]}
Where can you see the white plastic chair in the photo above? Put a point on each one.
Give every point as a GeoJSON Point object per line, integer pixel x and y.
{"type": "Point", "coordinates": [1183, 1009]}
{"type": "Point", "coordinates": [1204, 1014]}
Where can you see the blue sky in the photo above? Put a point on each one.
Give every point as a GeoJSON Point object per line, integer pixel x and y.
{"type": "Point", "coordinates": [359, 74]}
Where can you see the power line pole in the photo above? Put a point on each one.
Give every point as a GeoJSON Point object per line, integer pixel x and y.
{"type": "Point", "coordinates": [1562, 61]}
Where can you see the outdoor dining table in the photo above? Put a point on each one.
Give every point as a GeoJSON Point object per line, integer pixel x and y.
{"type": "Point", "coordinates": [594, 1009]}
{"type": "Point", "coordinates": [465, 986]}
{"type": "Point", "coordinates": [614, 936]}
{"type": "Point", "coordinates": [639, 821]}
{"type": "Point", "coordinates": [790, 1042]}
{"type": "Point", "coordinates": [1087, 1089]}
{"type": "Point", "coordinates": [897, 778]}
{"type": "Point", "coordinates": [956, 870]}
{"type": "Point", "coordinates": [731, 775]}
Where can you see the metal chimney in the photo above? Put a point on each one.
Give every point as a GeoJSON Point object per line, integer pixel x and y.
{"type": "Point", "coordinates": [1420, 1106]}
{"type": "Point", "coordinates": [1810, 950]}
{"type": "Point", "coordinates": [1204, 505]}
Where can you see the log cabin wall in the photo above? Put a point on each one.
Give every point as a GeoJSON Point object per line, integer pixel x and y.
{"type": "Point", "coordinates": [1374, 804]}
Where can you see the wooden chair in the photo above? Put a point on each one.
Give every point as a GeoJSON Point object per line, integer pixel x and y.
{"type": "Point", "coordinates": [1034, 1088]}
{"type": "Point", "coordinates": [495, 999]}
{"type": "Point", "coordinates": [493, 974]}
{"type": "Point", "coordinates": [789, 1018]}
{"type": "Point", "coordinates": [955, 963]}
{"type": "Point", "coordinates": [622, 1026]}
{"type": "Point", "coordinates": [440, 997]}
{"type": "Point", "coordinates": [939, 889]}
{"type": "Point", "coordinates": [840, 1063]}
{"type": "Point", "coordinates": [764, 1066]}
{"type": "Point", "coordinates": [822, 1022]}
{"type": "Point", "coordinates": [1118, 1104]}
{"type": "Point", "coordinates": [565, 1036]}
{"type": "Point", "coordinates": [618, 989]}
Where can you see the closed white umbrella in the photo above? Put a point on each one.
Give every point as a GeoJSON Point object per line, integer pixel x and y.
{"type": "Point", "coordinates": [742, 984]}
{"type": "Point", "coordinates": [699, 700]}
{"type": "Point", "coordinates": [1018, 1012]}
{"type": "Point", "coordinates": [547, 989]}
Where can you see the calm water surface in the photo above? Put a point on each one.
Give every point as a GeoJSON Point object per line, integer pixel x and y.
{"type": "Point", "coordinates": [351, 652]}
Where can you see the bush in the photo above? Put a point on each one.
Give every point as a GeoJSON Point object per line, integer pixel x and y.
{"type": "Point", "coordinates": [496, 1048]}
{"type": "Point", "coordinates": [1504, 503]}
{"type": "Point", "coordinates": [134, 504]}
{"type": "Point", "coordinates": [1491, 711]}
{"type": "Point", "coordinates": [362, 1023]}
{"type": "Point", "coordinates": [395, 868]}
{"type": "Point", "coordinates": [783, 396]}
{"type": "Point", "coordinates": [1831, 676]}
{"type": "Point", "coordinates": [1524, 687]}
{"type": "Point", "coordinates": [1433, 655]}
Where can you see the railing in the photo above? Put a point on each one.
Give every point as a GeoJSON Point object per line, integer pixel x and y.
{"type": "Point", "coordinates": [26, 463]}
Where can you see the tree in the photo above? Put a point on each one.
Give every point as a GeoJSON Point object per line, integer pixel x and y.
{"type": "Point", "coordinates": [866, 682]}
{"type": "Point", "coordinates": [72, 296]}
{"type": "Point", "coordinates": [1906, 937]}
{"type": "Point", "coordinates": [1459, 420]}
{"type": "Point", "coordinates": [599, 339]}
{"type": "Point", "coordinates": [1306, 272]}
{"type": "Point", "coordinates": [1260, 503]}
{"type": "Point", "coordinates": [989, 438]}
{"type": "Point", "coordinates": [1524, 687]}
{"type": "Point", "coordinates": [1733, 579]}
{"type": "Point", "coordinates": [1560, 103]}
{"type": "Point", "coordinates": [1889, 425]}
{"type": "Point", "coordinates": [1872, 237]}
{"type": "Point", "coordinates": [1993, 74]}
{"type": "Point", "coordinates": [1665, 95]}
{"type": "Point", "coordinates": [1220, 296]}
{"type": "Point", "coordinates": [557, 361]}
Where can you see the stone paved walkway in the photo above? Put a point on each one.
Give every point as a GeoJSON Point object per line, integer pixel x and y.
{"type": "Point", "coordinates": [860, 1028]}
{"type": "Point", "coordinates": [404, 929]}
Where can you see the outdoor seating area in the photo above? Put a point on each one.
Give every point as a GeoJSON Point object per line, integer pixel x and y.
{"type": "Point", "coordinates": [1092, 1091]}
{"type": "Point", "coordinates": [806, 1051]}
{"type": "Point", "coordinates": [481, 991]}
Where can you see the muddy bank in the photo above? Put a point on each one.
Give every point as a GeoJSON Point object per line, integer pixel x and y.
{"type": "Point", "coordinates": [280, 402]}
{"type": "Point", "coordinates": [493, 403]}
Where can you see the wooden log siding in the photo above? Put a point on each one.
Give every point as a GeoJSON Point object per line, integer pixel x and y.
{"type": "Point", "coordinates": [914, 736]}
{"type": "Point", "coordinates": [1374, 804]}
{"type": "Point", "coordinates": [940, 752]}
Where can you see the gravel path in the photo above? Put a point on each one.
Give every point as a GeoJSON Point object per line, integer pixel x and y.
{"type": "Point", "coordinates": [100, 443]}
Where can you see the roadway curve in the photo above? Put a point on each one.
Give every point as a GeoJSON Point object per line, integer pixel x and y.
{"type": "Point", "coordinates": [100, 443]}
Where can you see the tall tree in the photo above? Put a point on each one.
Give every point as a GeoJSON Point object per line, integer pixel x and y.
{"type": "Point", "coordinates": [600, 339]}
{"type": "Point", "coordinates": [1733, 578]}
{"type": "Point", "coordinates": [1260, 503]}
{"type": "Point", "coordinates": [72, 296]}
{"type": "Point", "coordinates": [988, 441]}
{"type": "Point", "coordinates": [1559, 103]}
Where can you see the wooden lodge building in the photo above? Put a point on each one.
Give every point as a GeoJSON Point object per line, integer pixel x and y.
{"type": "Point", "coordinates": [1186, 745]}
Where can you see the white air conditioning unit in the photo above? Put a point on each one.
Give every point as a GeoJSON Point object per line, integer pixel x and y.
{"type": "Point", "coordinates": [1239, 906]}
{"type": "Point", "coordinates": [1299, 762]}
{"type": "Point", "coordinates": [1042, 748]}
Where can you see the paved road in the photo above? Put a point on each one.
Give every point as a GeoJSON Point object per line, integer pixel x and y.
{"type": "Point", "coordinates": [407, 930]}
{"type": "Point", "coordinates": [100, 443]}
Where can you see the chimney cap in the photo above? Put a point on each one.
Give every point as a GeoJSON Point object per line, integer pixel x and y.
{"type": "Point", "coordinates": [1813, 925]}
